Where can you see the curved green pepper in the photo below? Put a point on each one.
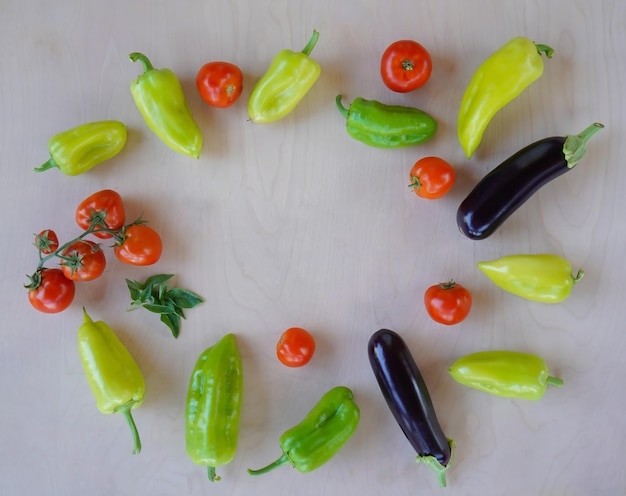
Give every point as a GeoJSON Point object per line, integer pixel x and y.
{"type": "Point", "coordinates": [162, 104]}
{"type": "Point", "coordinates": [316, 439]}
{"type": "Point", "coordinates": [287, 80]}
{"type": "Point", "coordinates": [113, 375]}
{"type": "Point", "coordinates": [509, 374]}
{"type": "Point", "coordinates": [83, 147]}
{"type": "Point", "coordinates": [500, 78]}
{"type": "Point", "coordinates": [546, 278]}
{"type": "Point", "coordinates": [386, 126]}
{"type": "Point", "coordinates": [214, 406]}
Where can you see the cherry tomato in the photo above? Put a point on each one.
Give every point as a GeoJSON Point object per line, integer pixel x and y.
{"type": "Point", "coordinates": [91, 258]}
{"type": "Point", "coordinates": [54, 293]}
{"type": "Point", "coordinates": [47, 241]}
{"type": "Point", "coordinates": [219, 83]}
{"type": "Point", "coordinates": [295, 347]}
{"type": "Point", "coordinates": [431, 177]}
{"type": "Point", "coordinates": [405, 66]}
{"type": "Point", "coordinates": [107, 203]}
{"type": "Point", "coordinates": [141, 246]}
{"type": "Point", "coordinates": [448, 303]}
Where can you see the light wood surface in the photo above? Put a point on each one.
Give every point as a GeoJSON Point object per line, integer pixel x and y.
{"type": "Point", "coordinates": [296, 224]}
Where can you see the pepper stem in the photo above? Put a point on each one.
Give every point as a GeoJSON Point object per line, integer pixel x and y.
{"type": "Point", "coordinates": [212, 475]}
{"type": "Point", "coordinates": [575, 145]}
{"type": "Point", "coordinates": [147, 65]}
{"type": "Point", "coordinates": [125, 410]}
{"type": "Point", "coordinates": [579, 275]}
{"type": "Point", "coordinates": [311, 44]}
{"type": "Point", "coordinates": [343, 110]}
{"type": "Point", "coordinates": [544, 50]}
{"type": "Point", "coordinates": [283, 460]}
{"type": "Point", "coordinates": [554, 381]}
{"type": "Point", "coordinates": [50, 164]}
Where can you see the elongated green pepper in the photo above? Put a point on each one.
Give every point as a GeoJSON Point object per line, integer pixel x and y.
{"type": "Point", "coordinates": [501, 78]}
{"type": "Point", "coordinates": [214, 406]}
{"type": "Point", "coordinates": [315, 440]}
{"type": "Point", "coordinates": [540, 277]}
{"type": "Point", "coordinates": [509, 374]}
{"type": "Point", "coordinates": [113, 375]}
{"type": "Point", "coordinates": [386, 126]}
{"type": "Point", "coordinates": [287, 80]}
{"type": "Point", "coordinates": [83, 147]}
{"type": "Point", "coordinates": [162, 104]}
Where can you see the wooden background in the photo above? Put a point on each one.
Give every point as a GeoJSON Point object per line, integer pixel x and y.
{"type": "Point", "coordinates": [294, 223]}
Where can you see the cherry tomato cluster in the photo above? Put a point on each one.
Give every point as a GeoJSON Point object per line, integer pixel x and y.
{"type": "Point", "coordinates": [102, 215]}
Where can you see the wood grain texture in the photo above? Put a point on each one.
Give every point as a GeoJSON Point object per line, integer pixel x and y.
{"type": "Point", "coordinates": [294, 223]}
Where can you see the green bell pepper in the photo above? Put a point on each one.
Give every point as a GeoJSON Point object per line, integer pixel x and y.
{"type": "Point", "coordinates": [214, 406]}
{"type": "Point", "coordinates": [509, 374]}
{"type": "Point", "coordinates": [316, 439]}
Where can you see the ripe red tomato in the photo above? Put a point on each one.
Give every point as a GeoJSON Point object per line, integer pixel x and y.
{"type": "Point", "coordinates": [431, 177]}
{"type": "Point", "coordinates": [141, 246]}
{"type": "Point", "coordinates": [448, 303]}
{"type": "Point", "coordinates": [106, 203]}
{"type": "Point", "coordinates": [405, 66]}
{"type": "Point", "coordinates": [295, 347]}
{"type": "Point", "coordinates": [54, 292]}
{"type": "Point", "coordinates": [219, 83]}
{"type": "Point", "coordinates": [91, 258]}
{"type": "Point", "coordinates": [47, 241]}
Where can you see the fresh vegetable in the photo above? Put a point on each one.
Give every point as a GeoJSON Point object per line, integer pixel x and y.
{"type": "Point", "coordinates": [163, 106]}
{"type": "Point", "coordinates": [214, 406]}
{"type": "Point", "coordinates": [544, 277]}
{"type": "Point", "coordinates": [49, 291]}
{"type": "Point", "coordinates": [79, 149]}
{"type": "Point", "coordinates": [431, 177]}
{"type": "Point", "coordinates": [295, 347]}
{"type": "Point", "coordinates": [113, 375]}
{"type": "Point", "coordinates": [325, 430]}
{"type": "Point", "coordinates": [47, 241]}
{"type": "Point", "coordinates": [510, 374]}
{"type": "Point", "coordinates": [83, 260]}
{"type": "Point", "coordinates": [386, 126]}
{"type": "Point", "coordinates": [408, 399]}
{"type": "Point", "coordinates": [102, 209]}
{"type": "Point", "coordinates": [139, 244]}
{"type": "Point", "coordinates": [405, 66]}
{"type": "Point", "coordinates": [503, 190]}
{"type": "Point", "coordinates": [219, 83]}
{"type": "Point", "coordinates": [288, 79]}
{"type": "Point", "coordinates": [500, 79]}
{"type": "Point", "coordinates": [170, 303]}
{"type": "Point", "coordinates": [448, 302]}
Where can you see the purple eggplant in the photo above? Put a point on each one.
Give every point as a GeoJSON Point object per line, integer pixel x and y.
{"type": "Point", "coordinates": [503, 190]}
{"type": "Point", "coordinates": [408, 399]}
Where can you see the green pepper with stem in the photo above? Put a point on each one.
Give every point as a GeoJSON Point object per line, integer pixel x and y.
{"type": "Point", "coordinates": [288, 79]}
{"type": "Point", "coordinates": [162, 104]}
{"type": "Point", "coordinates": [81, 148]}
{"type": "Point", "coordinates": [214, 406]}
{"type": "Point", "coordinates": [509, 374]}
{"type": "Point", "coordinates": [113, 375]}
{"type": "Point", "coordinates": [315, 440]}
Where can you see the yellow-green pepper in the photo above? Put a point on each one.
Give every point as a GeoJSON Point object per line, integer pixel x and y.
{"type": "Point", "coordinates": [509, 374]}
{"type": "Point", "coordinates": [543, 277]}
{"type": "Point", "coordinates": [83, 147]}
{"type": "Point", "coordinates": [287, 80]}
{"type": "Point", "coordinates": [162, 104]}
{"type": "Point", "coordinates": [500, 78]}
{"type": "Point", "coordinates": [113, 375]}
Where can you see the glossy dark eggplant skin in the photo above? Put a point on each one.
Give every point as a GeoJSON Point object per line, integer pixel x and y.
{"type": "Point", "coordinates": [406, 394]}
{"type": "Point", "coordinates": [503, 190]}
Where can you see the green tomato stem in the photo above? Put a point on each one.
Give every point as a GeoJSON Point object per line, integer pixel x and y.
{"type": "Point", "coordinates": [283, 460]}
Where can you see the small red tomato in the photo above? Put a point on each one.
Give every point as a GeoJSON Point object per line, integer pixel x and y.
{"type": "Point", "coordinates": [85, 261]}
{"type": "Point", "coordinates": [47, 242]}
{"type": "Point", "coordinates": [54, 292]}
{"type": "Point", "coordinates": [448, 303]}
{"type": "Point", "coordinates": [141, 246]}
{"type": "Point", "coordinates": [405, 66]}
{"type": "Point", "coordinates": [219, 83]}
{"type": "Point", "coordinates": [295, 347]}
{"type": "Point", "coordinates": [431, 177]}
{"type": "Point", "coordinates": [104, 206]}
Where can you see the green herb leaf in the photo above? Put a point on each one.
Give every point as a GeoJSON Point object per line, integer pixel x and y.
{"type": "Point", "coordinates": [172, 321]}
{"type": "Point", "coordinates": [184, 298]}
